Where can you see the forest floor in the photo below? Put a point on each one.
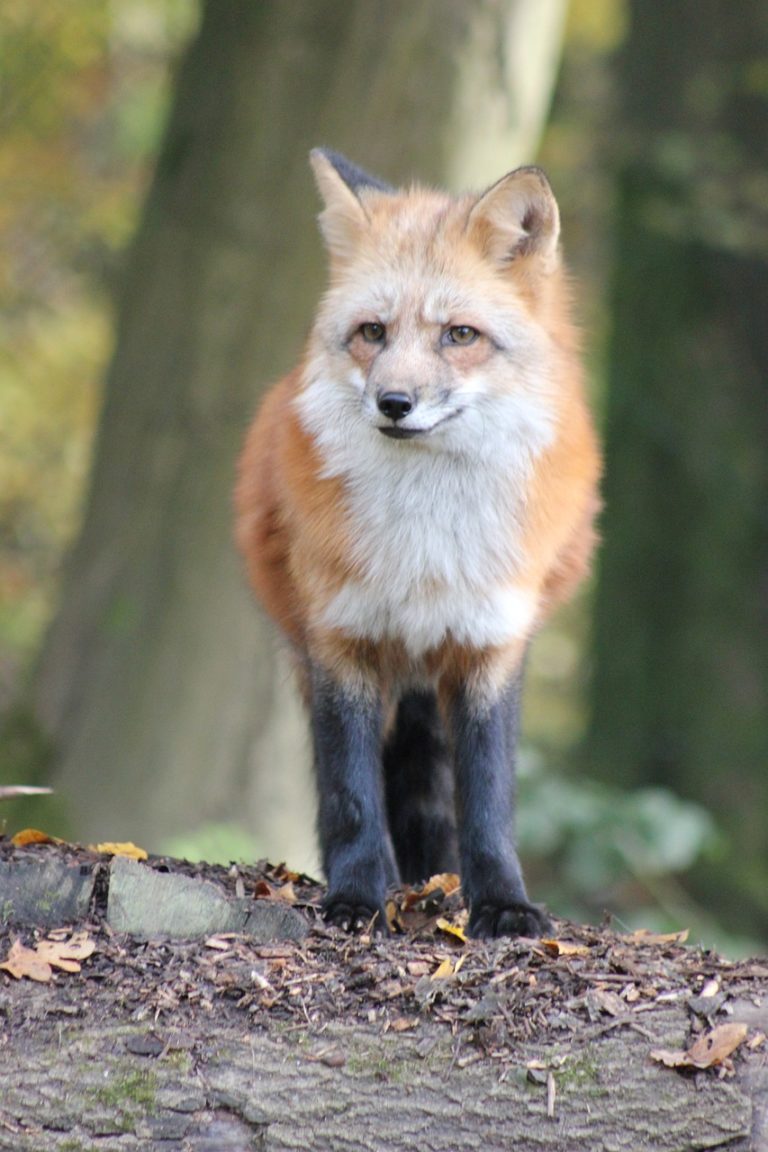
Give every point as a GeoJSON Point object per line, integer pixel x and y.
{"type": "Point", "coordinates": [490, 996]}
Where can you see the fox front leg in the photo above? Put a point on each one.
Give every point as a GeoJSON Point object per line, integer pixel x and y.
{"type": "Point", "coordinates": [485, 738]}
{"type": "Point", "coordinates": [356, 850]}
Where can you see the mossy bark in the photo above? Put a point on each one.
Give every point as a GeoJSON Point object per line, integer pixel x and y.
{"type": "Point", "coordinates": [234, 1090]}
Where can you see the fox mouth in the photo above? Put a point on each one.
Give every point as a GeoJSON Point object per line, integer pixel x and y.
{"type": "Point", "coordinates": [395, 432]}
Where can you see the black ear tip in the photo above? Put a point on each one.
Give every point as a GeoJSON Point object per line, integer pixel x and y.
{"type": "Point", "coordinates": [537, 174]}
{"type": "Point", "coordinates": [354, 177]}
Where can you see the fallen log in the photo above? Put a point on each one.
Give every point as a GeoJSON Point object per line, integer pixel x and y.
{"type": "Point", "coordinates": [275, 1038]}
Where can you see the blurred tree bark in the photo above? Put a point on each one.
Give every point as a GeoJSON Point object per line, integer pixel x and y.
{"type": "Point", "coordinates": [156, 682]}
{"type": "Point", "coordinates": [680, 687]}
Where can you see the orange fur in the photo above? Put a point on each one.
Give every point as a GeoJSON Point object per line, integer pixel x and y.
{"type": "Point", "coordinates": [496, 257]}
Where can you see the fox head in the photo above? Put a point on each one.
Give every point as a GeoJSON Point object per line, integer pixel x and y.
{"type": "Point", "coordinates": [441, 319]}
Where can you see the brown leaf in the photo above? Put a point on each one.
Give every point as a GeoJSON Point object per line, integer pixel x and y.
{"type": "Point", "coordinates": [221, 943]}
{"type": "Point", "coordinates": [286, 893]}
{"type": "Point", "coordinates": [713, 1047]}
{"type": "Point", "coordinates": [444, 883]}
{"type": "Point", "coordinates": [67, 954]}
{"type": "Point", "coordinates": [417, 967]}
{"type": "Point", "coordinates": [330, 1055]}
{"type": "Point", "coordinates": [609, 1002]}
{"type": "Point", "coordinates": [404, 1024]}
{"type": "Point", "coordinates": [22, 961]}
{"type": "Point", "coordinates": [709, 1050]}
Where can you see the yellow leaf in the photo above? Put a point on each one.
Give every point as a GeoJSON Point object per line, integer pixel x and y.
{"type": "Point", "coordinates": [643, 936]}
{"type": "Point", "coordinates": [443, 970]}
{"type": "Point", "coordinates": [120, 849]}
{"type": "Point", "coordinates": [394, 923]}
{"type": "Point", "coordinates": [34, 836]}
{"type": "Point", "coordinates": [564, 948]}
{"type": "Point", "coordinates": [22, 961]}
{"type": "Point", "coordinates": [452, 929]}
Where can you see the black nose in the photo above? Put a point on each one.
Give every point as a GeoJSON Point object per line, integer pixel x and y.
{"type": "Point", "coordinates": [395, 405]}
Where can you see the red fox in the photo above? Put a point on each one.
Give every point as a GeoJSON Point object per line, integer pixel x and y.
{"type": "Point", "coordinates": [413, 501]}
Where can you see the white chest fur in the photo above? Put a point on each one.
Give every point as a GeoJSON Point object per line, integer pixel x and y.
{"type": "Point", "coordinates": [436, 525]}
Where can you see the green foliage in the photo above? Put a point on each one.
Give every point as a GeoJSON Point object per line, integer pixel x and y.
{"type": "Point", "coordinates": [219, 843]}
{"type": "Point", "coordinates": [604, 837]}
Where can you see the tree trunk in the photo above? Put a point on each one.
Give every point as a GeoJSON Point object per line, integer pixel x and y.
{"type": "Point", "coordinates": [87, 1084]}
{"type": "Point", "coordinates": [210, 1010]}
{"type": "Point", "coordinates": [157, 683]}
{"type": "Point", "coordinates": [681, 665]}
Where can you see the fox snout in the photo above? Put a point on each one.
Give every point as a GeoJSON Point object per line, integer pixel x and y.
{"type": "Point", "coordinates": [395, 405]}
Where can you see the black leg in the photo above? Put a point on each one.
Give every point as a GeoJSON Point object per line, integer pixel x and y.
{"type": "Point", "coordinates": [419, 790]}
{"type": "Point", "coordinates": [356, 850]}
{"type": "Point", "coordinates": [485, 738]}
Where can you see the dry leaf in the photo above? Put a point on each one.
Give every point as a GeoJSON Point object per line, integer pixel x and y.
{"type": "Point", "coordinates": [713, 1047]}
{"type": "Point", "coordinates": [34, 836]}
{"type": "Point", "coordinates": [445, 882]}
{"type": "Point", "coordinates": [404, 1024]}
{"type": "Point", "coordinates": [417, 967]}
{"type": "Point", "coordinates": [564, 948]}
{"type": "Point", "coordinates": [452, 929]}
{"type": "Point", "coordinates": [22, 961]}
{"type": "Point", "coordinates": [219, 943]}
{"type": "Point", "coordinates": [263, 890]}
{"type": "Point", "coordinates": [394, 922]}
{"type": "Point", "coordinates": [443, 970]}
{"type": "Point", "coordinates": [643, 936]}
{"type": "Point", "coordinates": [67, 954]}
{"type": "Point", "coordinates": [609, 1002]}
{"type": "Point", "coordinates": [286, 892]}
{"type": "Point", "coordinates": [711, 988]}
{"type": "Point", "coordinates": [709, 1050]}
{"type": "Point", "coordinates": [126, 848]}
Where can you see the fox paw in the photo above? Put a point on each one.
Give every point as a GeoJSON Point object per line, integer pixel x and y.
{"type": "Point", "coordinates": [487, 921]}
{"type": "Point", "coordinates": [354, 916]}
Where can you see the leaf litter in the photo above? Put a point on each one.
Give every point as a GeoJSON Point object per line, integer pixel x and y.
{"type": "Point", "coordinates": [575, 986]}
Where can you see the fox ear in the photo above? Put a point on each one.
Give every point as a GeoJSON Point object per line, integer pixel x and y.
{"type": "Point", "coordinates": [341, 184]}
{"type": "Point", "coordinates": [517, 217]}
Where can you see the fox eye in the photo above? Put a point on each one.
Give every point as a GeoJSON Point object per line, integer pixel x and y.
{"type": "Point", "coordinates": [461, 334]}
{"type": "Point", "coordinates": [372, 332]}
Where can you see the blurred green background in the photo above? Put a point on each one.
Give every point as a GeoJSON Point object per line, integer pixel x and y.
{"type": "Point", "coordinates": [159, 266]}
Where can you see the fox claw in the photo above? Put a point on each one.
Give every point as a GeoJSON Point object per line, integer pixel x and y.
{"type": "Point", "coordinates": [488, 921]}
{"type": "Point", "coordinates": [355, 917]}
